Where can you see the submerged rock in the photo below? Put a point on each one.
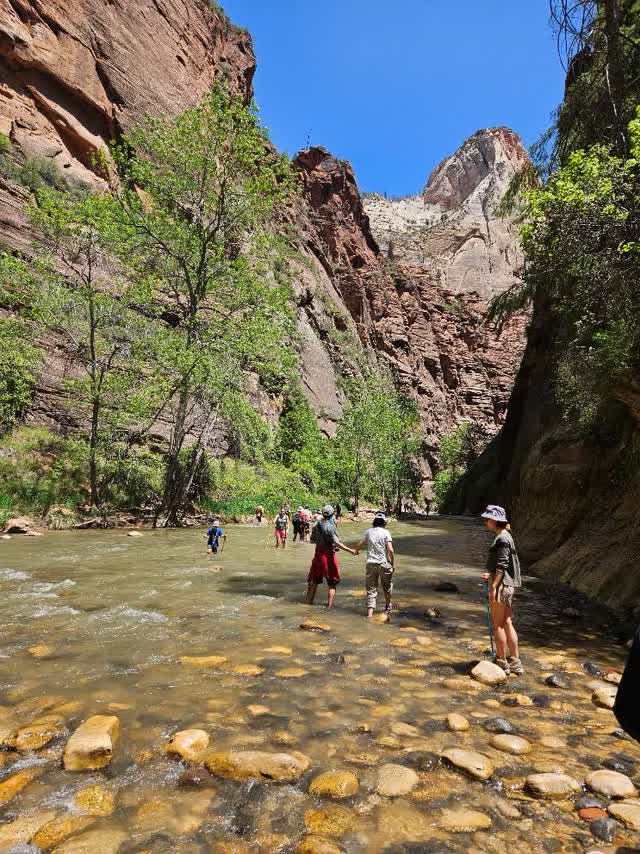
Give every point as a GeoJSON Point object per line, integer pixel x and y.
{"type": "Point", "coordinates": [627, 813]}
{"type": "Point", "coordinates": [611, 784]}
{"type": "Point", "coordinates": [603, 829]}
{"type": "Point", "coordinates": [446, 587]}
{"type": "Point", "coordinates": [22, 830]}
{"type": "Point", "coordinates": [488, 673]}
{"type": "Point", "coordinates": [98, 841]}
{"type": "Point", "coordinates": [555, 680]}
{"type": "Point", "coordinates": [332, 820]}
{"type": "Point", "coordinates": [551, 785]}
{"type": "Point", "coordinates": [41, 650]}
{"type": "Point", "coordinates": [457, 723]}
{"type": "Point", "coordinates": [317, 845]}
{"type": "Point", "coordinates": [396, 780]}
{"type": "Point", "coordinates": [475, 764]}
{"type": "Point", "coordinates": [462, 820]}
{"type": "Point", "coordinates": [605, 696]}
{"type": "Point", "coordinates": [335, 784]}
{"type": "Point", "coordinates": [35, 735]}
{"type": "Point", "coordinates": [259, 765]}
{"type": "Point", "coordinates": [498, 725]}
{"type": "Point", "coordinates": [95, 800]}
{"type": "Point", "coordinates": [55, 832]}
{"type": "Point", "coordinates": [312, 626]}
{"type": "Point", "coordinates": [14, 784]}
{"type": "Point", "coordinates": [188, 744]}
{"type": "Point", "coordinates": [91, 745]}
{"type": "Point", "coordinates": [511, 744]}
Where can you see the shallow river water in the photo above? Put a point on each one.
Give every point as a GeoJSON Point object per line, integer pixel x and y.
{"type": "Point", "coordinates": [97, 623]}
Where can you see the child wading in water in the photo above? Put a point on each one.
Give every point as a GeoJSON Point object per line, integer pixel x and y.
{"type": "Point", "coordinates": [380, 562]}
{"type": "Point", "coordinates": [324, 564]}
{"type": "Point", "coordinates": [502, 577]}
{"type": "Point", "coordinates": [214, 535]}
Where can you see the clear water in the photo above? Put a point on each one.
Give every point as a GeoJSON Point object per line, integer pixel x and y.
{"type": "Point", "coordinates": [118, 612]}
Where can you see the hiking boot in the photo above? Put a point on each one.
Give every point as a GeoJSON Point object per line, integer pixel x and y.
{"type": "Point", "coordinates": [515, 665]}
{"type": "Point", "coordinates": [504, 664]}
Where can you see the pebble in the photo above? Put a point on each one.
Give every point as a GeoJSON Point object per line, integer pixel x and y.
{"type": "Point", "coordinates": [278, 650]}
{"type": "Point", "coordinates": [511, 744]}
{"type": "Point", "coordinates": [498, 725]}
{"type": "Point", "coordinates": [627, 813]}
{"type": "Point", "coordinates": [247, 670]}
{"type": "Point", "coordinates": [432, 614]}
{"type": "Point", "coordinates": [591, 813]}
{"type": "Point", "coordinates": [611, 784]}
{"type": "Point", "coordinates": [41, 650]}
{"type": "Point", "coordinates": [551, 785]}
{"type": "Point", "coordinates": [256, 710]}
{"type": "Point", "coordinates": [404, 729]}
{"type": "Point", "coordinates": [463, 820]}
{"type": "Point", "coordinates": [553, 742]}
{"type": "Point", "coordinates": [586, 802]}
{"type": "Point", "coordinates": [488, 673]}
{"type": "Point", "coordinates": [603, 829]}
{"type": "Point", "coordinates": [465, 686]}
{"type": "Point", "coordinates": [203, 660]}
{"type": "Point", "coordinates": [396, 780]}
{"type": "Point", "coordinates": [291, 673]}
{"type": "Point", "coordinates": [457, 723]}
{"type": "Point", "coordinates": [335, 784]}
{"type": "Point", "coordinates": [475, 764]}
{"type": "Point", "coordinates": [612, 676]}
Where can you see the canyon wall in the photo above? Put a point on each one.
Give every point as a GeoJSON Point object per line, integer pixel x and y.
{"type": "Point", "coordinates": [404, 282]}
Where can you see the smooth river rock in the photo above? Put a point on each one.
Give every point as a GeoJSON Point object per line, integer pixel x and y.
{"type": "Point", "coordinates": [511, 744]}
{"type": "Point", "coordinates": [611, 783]}
{"type": "Point", "coordinates": [335, 784]}
{"type": "Point", "coordinates": [188, 744]}
{"type": "Point", "coordinates": [627, 813]}
{"type": "Point", "coordinates": [488, 673]}
{"type": "Point", "coordinates": [317, 845]}
{"type": "Point", "coordinates": [213, 661]}
{"type": "Point", "coordinates": [55, 832]}
{"type": "Point", "coordinates": [457, 723]}
{"type": "Point", "coordinates": [475, 764]}
{"type": "Point", "coordinates": [313, 626]}
{"type": "Point", "coordinates": [35, 735]}
{"type": "Point", "coordinates": [22, 830]}
{"type": "Point", "coordinates": [549, 785]}
{"type": "Point", "coordinates": [258, 765]}
{"type": "Point", "coordinates": [332, 820]}
{"type": "Point", "coordinates": [98, 841]}
{"type": "Point", "coordinates": [462, 820]}
{"type": "Point", "coordinates": [95, 800]}
{"type": "Point", "coordinates": [14, 784]}
{"type": "Point", "coordinates": [605, 696]}
{"type": "Point", "coordinates": [498, 725]}
{"type": "Point", "coordinates": [396, 780]}
{"type": "Point", "coordinates": [91, 745]}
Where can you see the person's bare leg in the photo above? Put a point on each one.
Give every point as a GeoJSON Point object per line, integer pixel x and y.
{"type": "Point", "coordinates": [370, 613]}
{"type": "Point", "coordinates": [311, 592]}
{"type": "Point", "coordinates": [497, 611]}
{"type": "Point", "coordinates": [331, 597]}
{"type": "Point", "coordinates": [511, 635]}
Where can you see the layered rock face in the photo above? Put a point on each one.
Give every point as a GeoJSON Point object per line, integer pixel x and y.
{"type": "Point", "coordinates": [75, 75]}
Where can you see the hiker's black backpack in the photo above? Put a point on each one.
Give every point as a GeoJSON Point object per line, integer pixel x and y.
{"type": "Point", "coordinates": [627, 705]}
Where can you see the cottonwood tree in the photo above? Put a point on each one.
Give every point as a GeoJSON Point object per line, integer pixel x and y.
{"type": "Point", "coordinates": [196, 197]}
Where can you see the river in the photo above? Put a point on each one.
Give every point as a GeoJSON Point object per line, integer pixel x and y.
{"type": "Point", "coordinates": [98, 622]}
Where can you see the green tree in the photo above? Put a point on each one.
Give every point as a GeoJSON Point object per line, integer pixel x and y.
{"type": "Point", "coordinates": [19, 368]}
{"type": "Point", "coordinates": [196, 198]}
{"type": "Point", "coordinates": [457, 450]}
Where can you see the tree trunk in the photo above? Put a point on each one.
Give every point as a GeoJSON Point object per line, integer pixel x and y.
{"type": "Point", "coordinates": [167, 512]}
{"type": "Point", "coordinates": [615, 72]}
{"type": "Point", "coordinates": [93, 448]}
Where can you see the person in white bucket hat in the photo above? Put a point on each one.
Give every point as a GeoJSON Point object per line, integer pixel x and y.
{"type": "Point", "coordinates": [503, 578]}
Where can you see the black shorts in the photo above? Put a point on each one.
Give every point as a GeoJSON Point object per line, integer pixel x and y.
{"type": "Point", "coordinates": [214, 549]}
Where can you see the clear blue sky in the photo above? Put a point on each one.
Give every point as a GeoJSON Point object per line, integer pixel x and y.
{"type": "Point", "coordinates": [396, 85]}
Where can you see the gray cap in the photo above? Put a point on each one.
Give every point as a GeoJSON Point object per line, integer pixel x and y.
{"type": "Point", "coordinates": [327, 510]}
{"type": "Point", "coordinates": [381, 515]}
{"type": "Point", "coordinates": [495, 512]}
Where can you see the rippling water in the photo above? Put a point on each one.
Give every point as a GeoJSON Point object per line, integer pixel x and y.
{"type": "Point", "coordinates": [118, 612]}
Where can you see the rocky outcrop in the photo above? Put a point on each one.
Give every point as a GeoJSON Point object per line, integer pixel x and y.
{"type": "Point", "coordinates": [75, 75]}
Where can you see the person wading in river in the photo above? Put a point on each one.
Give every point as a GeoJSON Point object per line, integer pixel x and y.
{"type": "Point", "coordinates": [380, 562]}
{"type": "Point", "coordinates": [214, 535]}
{"type": "Point", "coordinates": [325, 565]}
{"type": "Point", "coordinates": [281, 523]}
{"type": "Point", "coordinates": [502, 577]}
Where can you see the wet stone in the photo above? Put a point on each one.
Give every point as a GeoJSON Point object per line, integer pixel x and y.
{"type": "Point", "coordinates": [258, 765]}
{"type": "Point", "coordinates": [611, 784]}
{"type": "Point", "coordinates": [592, 669]}
{"type": "Point", "coordinates": [335, 784]}
{"type": "Point", "coordinates": [98, 841]}
{"type": "Point", "coordinates": [421, 760]}
{"type": "Point", "coordinates": [463, 820]}
{"type": "Point", "coordinates": [605, 696]}
{"type": "Point", "coordinates": [317, 845]}
{"type": "Point", "coordinates": [446, 587]}
{"type": "Point", "coordinates": [457, 723]}
{"type": "Point", "coordinates": [95, 800]}
{"type": "Point", "coordinates": [22, 830]}
{"type": "Point", "coordinates": [555, 680]}
{"type": "Point", "coordinates": [551, 785]}
{"type": "Point", "coordinates": [331, 820]}
{"type": "Point", "coordinates": [396, 780]}
{"type": "Point", "coordinates": [591, 813]}
{"type": "Point", "coordinates": [55, 832]}
{"type": "Point", "coordinates": [312, 626]}
{"type": "Point", "coordinates": [488, 673]}
{"type": "Point", "coordinates": [40, 732]}
{"type": "Point", "coordinates": [511, 744]}
{"type": "Point", "coordinates": [475, 764]}
{"type": "Point", "coordinates": [627, 813]}
{"type": "Point", "coordinates": [603, 829]}
{"type": "Point", "coordinates": [91, 745]}
{"type": "Point", "coordinates": [587, 802]}
{"type": "Point", "coordinates": [14, 784]}
{"type": "Point", "coordinates": [622, 764]}
{"type": "Point", "coordinates": [498, 725]}
{"type": "Point", "coordinates": [188, 744]}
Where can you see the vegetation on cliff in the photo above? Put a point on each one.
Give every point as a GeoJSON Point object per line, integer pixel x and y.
{"type": "Point", "coordinates": [165, 298]}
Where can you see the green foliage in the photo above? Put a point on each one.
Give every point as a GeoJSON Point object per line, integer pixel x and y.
{"type": "Point", "coordinates": [581, 236]}
{"type": "Point", "coordinates": [457, 450]}
{"type": "Point", "coordinates": [38, 173]}
{"type": "Point", "coordinates": [19, 364]}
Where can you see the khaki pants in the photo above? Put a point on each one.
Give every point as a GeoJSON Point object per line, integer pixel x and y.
{"type": "Point", "coordinates": [378, 574]}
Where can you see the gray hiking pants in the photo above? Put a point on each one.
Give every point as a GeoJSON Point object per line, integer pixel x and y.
{"type": "Point", "coordinates": [378, 574]}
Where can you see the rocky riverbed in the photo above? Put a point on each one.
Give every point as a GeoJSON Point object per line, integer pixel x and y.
{"type": "Point", "coordinates": [157, 700]}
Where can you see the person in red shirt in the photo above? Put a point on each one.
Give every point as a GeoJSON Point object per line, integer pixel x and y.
{"type": "Point", "coordinates": [325, 565]}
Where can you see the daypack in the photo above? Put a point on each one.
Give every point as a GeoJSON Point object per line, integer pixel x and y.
{"type": "Point", "coordinates": [296, 519]}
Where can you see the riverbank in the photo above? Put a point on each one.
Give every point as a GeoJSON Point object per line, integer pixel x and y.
{"type": "Point", "coordinates": [97, 623]}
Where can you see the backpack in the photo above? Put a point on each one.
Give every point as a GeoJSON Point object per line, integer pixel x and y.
{"type": "Point", "coordinates": [296, 519]}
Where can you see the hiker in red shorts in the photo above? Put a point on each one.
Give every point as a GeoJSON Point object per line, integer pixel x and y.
{"type": "Point", "coordinates": [324, 564]}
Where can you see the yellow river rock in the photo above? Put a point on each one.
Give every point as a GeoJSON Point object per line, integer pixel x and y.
{"type": "Point", "coordinates": [14, 784]}
{"type": "Point", "coordinates": [58, 830]}
{"type": "Point", "coordinates": [259, 765]}
{"type": "Point", "coordinates": [203, 660]}
{"type": "Point", "coordinates": [95, 800]}
{"type": "Point", "coordinates": [41, 650]}
{"type": "Point", "coordinates": [188, 744]}
{"type": "Point", "coordinates": [91, 745]}
{"type": "Point", "coordinates": [39, 732]}
{"type": "Point", "coordinates": [291, 672]}
{"type": "Point", "coordinates": [105, 840]}
{"type": "Point", "coordinates": [22, 830]}
{"type": "Point", "coordinates": [331, 820]}
{"type": "Point", "coordinates": [335, 784]}
{"type": "Point", "coordinates": [317, 845]}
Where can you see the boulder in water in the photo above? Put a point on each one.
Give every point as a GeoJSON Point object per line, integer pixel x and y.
{"type": "Point", "coordinates": [22, 830]}
{"type": "Point", "coordinates": [55, 832]}
{"type": "Point", "coordinates": [188, 744]}
{"type": "Point", "coordinates": [91, 745]}
{"type": "Point", "coordinates": [258, 765]}
{"type": "Point", "coordinates": [18, 525]}
{"type": "Point", "coordinates": [488, 673]}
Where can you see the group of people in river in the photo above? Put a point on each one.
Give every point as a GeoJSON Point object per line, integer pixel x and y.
{"type": "Point", "coordinates": [502, 575]}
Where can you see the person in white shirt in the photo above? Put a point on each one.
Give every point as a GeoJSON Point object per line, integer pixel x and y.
{"type": "Point", "coordinates": [380, 562]}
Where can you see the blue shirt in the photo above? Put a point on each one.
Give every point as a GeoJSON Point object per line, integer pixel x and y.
{"type": "Point", "coordinates": [213, 537]}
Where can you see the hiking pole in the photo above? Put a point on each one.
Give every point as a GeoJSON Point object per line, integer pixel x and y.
{"type": "Point", "coordinates": [486, 605]}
